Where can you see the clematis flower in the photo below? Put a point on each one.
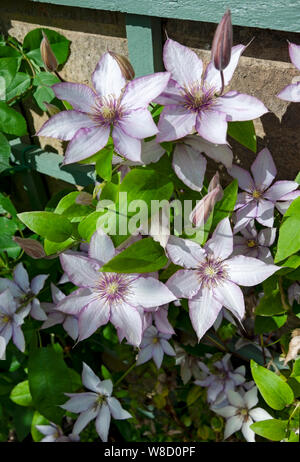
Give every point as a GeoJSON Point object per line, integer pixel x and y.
{"type": "Point", "coordinates": [241, 413]}
{"type": "Point", "coordinates": [97, 404]}
{"type": "Point", "coordinates": [285, 201]}
{"type": "Point", "coordinates": [292, 92]}
{"type": "Point", "coordinates": [54, 434]}
{"type": "Point", "coordinates": [255, 244]}
{"type": "Point", "coordinates": [192, 104]}
{"type": "Point", "coordinates": [105, 297]}
{"type": "Point", "coordinates": [189, 366]}
{"type": "Point", "coordinates": [68, 321]}
{"type": "Point", "coordinates": [159, 316]}
{"type": "Point", "coordinates": [10, 322]}
{"type": "Point", "coordinates": [257, 202]}
{"type": "Point", "coordinates": [221, 378]}
{"type": "Point", "coordinates": [112, 105]}
{"type": "Point", "coordinates": [25, 293]}
{"type": "Point", "coordinates": [154, 345]}
{"type": "Point", "coordinates": [210, 279]}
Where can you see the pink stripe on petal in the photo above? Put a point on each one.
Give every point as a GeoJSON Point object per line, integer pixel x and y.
{"type": "Point", "coordinates": [91, 317]}
{"type": "Point", "coordinates": [204, 310]}
{"type": "Point", "coordinates": [82, 271]}
{"type": "Point", "coordinates": [141, 91]}
{"type": "Point", "coordinates": [221, 242]}
{"type": "Point", "coordinates": [184, 283]}
{"type": "Point", "coordinates": [184, 252]}
{"type": "Point", "coordinates": [86, 142]}
{"type": "Point", "coordinates": [149, 292]}
{"type": "Point", "coordinates": [80, 96]}
{"type": "Point", "coordinates": [279, 189]}
{"type": "Point", "coordinates": [128, 319]}
{"type": "Point", "coordinates": [138, 124]}
{"type": "Point", "coordinates": [175, 122]}
{"type": "Point", "coordinates": [126, 146]}
{"type": "Point", "coordinates": [248, 271]}
{"type": "Point", "coordinates": [212, 126]}
{"type": "Point", "coordinates": [231, 296]}
{"type": "Point", "coordinates": [171, 95]}
{"type": "Point", "coordinates": [238, 106]}
{"type": "Point", "coordinates": [65, 124]}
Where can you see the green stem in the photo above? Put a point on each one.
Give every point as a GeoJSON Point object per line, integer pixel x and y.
{"type": "Point", "coordinates": [125, 374]}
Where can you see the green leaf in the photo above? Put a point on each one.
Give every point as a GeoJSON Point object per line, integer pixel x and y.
{"type": "Point", "coordinates": [44, 92]}
{"type": "Point", "coordinates": [22, 418]}
{"type": "Point", "coordinates": [274, 390]}
{"type": "Point", "coordinates": [225, 206]}
{"type": "Point", "coordinates": [272, 429]}
{"type": "Point", "coordinates": [45, 78]}
{"type": "Point", "coordinates": [70, 209]}
{"type": "Point", "coordinates": [20, 394]}
{"type": "Point", "coordinates": [11, 121]}
{"type": "Point", "coordinates": [6, 205]}
{"type": "Point", "coordinates": [49, 379]}
{"type": "Point", "coordinates": [52, 248]}
{"type": "Point", "coordinates": [193, 395]}
{"type": "Point", "coordinates": [18, 86]}
{"type": "Point", "coordinates": [88, 225]}
{"type": "Point", "coordinates": [143, 256]}
{"type": "Point", "coordinates": [59, 45]}
{"type": "Point", "coordinates": [4, 153]}
{"type": "Point", "coordinates": [289, 236]}
{"type": "Point", "coordinates": [8, 69]}
{"type": "Point", "coordinates": [270, 305]}
{"type": "Point", "coordinates": [244, 133]}
{"type": "Point", "coordinates": [296, 369]}
{"type": "Point", "coordinates": [50, 225]}
{"type": "Point", "coordinates": [264, 324]}
{"type": "Point", "coordinates": [8, 227]}
{"type": "Point", "coordinates": [103, 163]}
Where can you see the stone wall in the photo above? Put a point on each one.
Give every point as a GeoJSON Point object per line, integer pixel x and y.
{"type": "Point", "coordinates": [263, 70]}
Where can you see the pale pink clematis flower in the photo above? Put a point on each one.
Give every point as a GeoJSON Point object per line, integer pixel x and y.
{"type": "Point", "coordinates": [10, 322]}
{"type": "Point", "coordinates": [97, 404]}
{"type": "Point", "coordinates": [25, 292]}
{"type": "Point", "coordinates": [54, 434]}
{"type": "Point", "coordinates": [211, 280]}
{"type": "Point", "coordinates": [292, 92]}
{"type": "Point", "coordinates": [105, 296]}
{"type": "Point", "coordinates": [255, 244]}
{"type": "Point", "coordinates": [154, 345]}
{"type": "Point", "coordinates": [259, 198]}
{"type": "Point", "coordinates": [240, 413]}
{"type": "Point", "coordinates": [112, 105]}
{"type": "Point", "coordinates": [193, 105]}
{"type": "Point", "coordinates": [159, 316]}
{"type": "Point", "coordinates": [68, 321]}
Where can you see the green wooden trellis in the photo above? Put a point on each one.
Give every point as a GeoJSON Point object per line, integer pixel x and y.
{"type": "Point", "coordinates": [144, 35]}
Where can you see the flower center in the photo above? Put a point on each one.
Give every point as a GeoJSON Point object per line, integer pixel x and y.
{"type": "Point", "coordinates": [256, 194]}
{"type": "Point", "coordinates": [107, 110]}
{"type": "Point", "coordinates": [212, 272]}
{"type": "Point", "coordinates": [5, 319]}
{"type": "Point", "coordinates": [155, 340]}
{"type": "Point", "coordinates": [251, 243]}
{"type": "Point", "coordinates": [198, 98]}
{"type": "Point", "coordinates": [113, 287]}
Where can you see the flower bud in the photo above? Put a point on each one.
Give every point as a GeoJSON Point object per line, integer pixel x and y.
{"type": "Point", "coordinates": [125, 66]}
{"type": "Point", "coordinates": [84, 198]}
{"type": "Point", "coordinates": [31, 247]}
{"type": "Point", "coordinates": [222, 43]}
{"type": "Point", "coordinates": [203, 209]}
{"type": "Point", "coordinates": [51, 108]}
{"type": "Point", "coordinates": [48, 57]}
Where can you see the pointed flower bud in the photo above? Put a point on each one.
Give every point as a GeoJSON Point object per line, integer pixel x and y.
{"type": "Point", "coordinates": [31, 247]}
{"type": "Point", "coordinates": [203, 209]}
{"type": "Point", "coordinates": [51, 108]}
{"type": "Point", "coordinates": [125, 66]}
{"type": "Point", "coordinates": [48, 57]}
{"type": "Point", "coordinates": [84, 198]}
{"type": "Point", "coordinates": [222, 43]}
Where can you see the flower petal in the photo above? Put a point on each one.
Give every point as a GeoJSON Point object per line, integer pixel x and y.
{"type": "Point", "coordinates": [65, 124]}
{"type": "Point", "coordinates": [248, 271]}
{"type": "Point", "coordinates": [105, 387]}
{"type": "Point", "coordinates": [184, 283]}
{"type": "Point", "coordinates": [151, 152]}
{"type": "Point", "coordinates": [258, 414]}
{"type": "Point", "coordinates": [7, 303]}
{"type": "Point", "coordinates": [116, 409]}
{"type": "Point", "coordinates": [73, 303]}
{"type": "Point", "coordinates": [80, 402]}
{"type": "Point", "coordinates": [141, 91]}
{"type": "Point", "coordinates": [18, 337]}
{"type": "Point", "coordinates": [231, 296]}
{"type": "Point", "coordinates": [185, 66]}
{"type": "Point", "coordinates": [244, 215]}
{"type": "Point", "coordinates": [218, 152]}
{"type": "Point", "coordinates": [266, 237]}
{"type": "Point", "coordinates": [138, 124]}
{"type": "Point", "coordinates": [184, 252]}
{"type": "Point", "coordinates": [235, 399]}
{"type": "Point", "coordinates": [103, 422]}
{"type": "Point", "coordinates": [227, 411]}
{"type": "Point", "coordinates": [263, 169]}
{"type": "Point", "coordinates": [175, 122]}
{"type": "Point", "coordinates": [212, 126]}
{"type": "Point", "coordinates": [38, 282]}
{"type": "Point", "coordinates": [81, 97]}
{"type": "Point", "coordinates": [167, 348]}
{"type": "Point", "coordinates": [126, 146]}
{"type": "Point", "coordinates": [92, 316]}
{"type": "Point", "coordinates": [238, 106]}
{"type": "Point", "coordinates": [249, 434]}
{"type": "Point", "coordinates": [161, 321]}
{"type": "Point", "coordinates": [294, 52]}
{"type": "Point", "coordinates": [101, 247]}
{"type": "Point", "coordinates": [189, 165]}
{"type": "Point", "coordinates": [149, 292]}
{"type": "Point", "coordinates": [36, 311]}
{"type": "Point", "coordinates": [280, 189]}
{"type": "Point", "coordinates": [251, 398]}
{"type": "Point", "coordinates": [89, 379]}
{"type": "Point", "coordinates": [82, 271]}
{"type": "Point", "coordinates": [21, 277]}
{"type": "Point", "coordinates": [290, 93]}
{"type": "Point", "coordinates": [128, 319]}
{"type": "Point", "coordinates": [244, 178]}
{"type": "Point", "coordinates": [158, 355]}
{"type": "Point", "coordinates": [212, 75]}
{"type": "Point", "coordinates": [232, 425]}
{"type": "Point", "coordinates": [84, 418]}
{"type": "Point", "coordinates": [107, 77]}
{"type": "Point", "coordinates": [204, 310]}
{"type": "Point", "coordinates": [145, 354]}
{"type": "Point", "coordinates": [172, 94]}
{"type": "Point", "coordinates": [86, 142]}
{"type": "Point", "coordinates": [265, 213]}
{"type": "Point", "coordinates": [221, 242]}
